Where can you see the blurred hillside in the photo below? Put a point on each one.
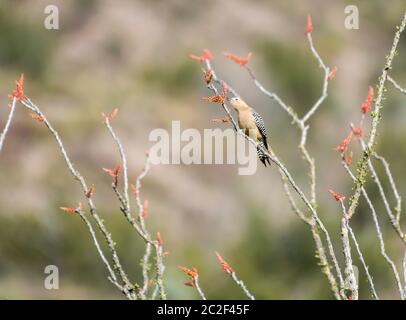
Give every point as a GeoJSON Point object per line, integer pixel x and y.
{"type": "Point", "coordinates": [134, 56]}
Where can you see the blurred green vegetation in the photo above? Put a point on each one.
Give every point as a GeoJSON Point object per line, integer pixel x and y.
{"type": "Point", "coordinates": [294, 70]}
{"type": "Point", "coordinates": [24, 45]}
{"type": "Point", "coordinates": [173, 78]}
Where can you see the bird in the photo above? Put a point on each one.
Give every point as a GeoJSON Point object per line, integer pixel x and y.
{"type": "Point", "coordinates": [253, 126]}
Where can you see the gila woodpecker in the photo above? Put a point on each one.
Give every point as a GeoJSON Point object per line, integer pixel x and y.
{"type": "Point", "coordinates": [253, 126]}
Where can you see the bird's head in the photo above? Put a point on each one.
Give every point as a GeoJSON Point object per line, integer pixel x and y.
{"type": "Point", "coordinates": [238, 104]}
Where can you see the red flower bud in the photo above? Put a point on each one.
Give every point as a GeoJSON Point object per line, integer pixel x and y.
{"type": "Point", "coordinates": [239, 60]}
{"type": "Point", "coordinates": [190, 272]}
{"type": "Point", "coordinates": [357, 132]}
{"type": "Point", "coordinates": [110, 116]}
{"type": "Point", "coordinates": [224, 265]}
{"type": "Point", "coordinates": [206, 56]}
{"type": "Point", "coordinates": [344, 144]}
{"type": "Point", "coordinates": [113, 173]}
{"type": "Point", "coordinates": [36, 117]}
{"type": "Point", "coordinates": [159, 239]}
{"type": "Point", "coordinates": [366, 105]}
{"type": "Point", "coordinates": [332, 73]}
{"type": "Point", "coordinates": [309, 25]}
{"type": "Point", "coordinates": [18, 92]}
{"type": "Point", "coordinates": [337, 196]}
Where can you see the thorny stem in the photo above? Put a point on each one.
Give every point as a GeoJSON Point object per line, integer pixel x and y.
{"type": "Point", "coordinates": [311, 162]}
{"type": "Point", "coordinates": [140, 228]}
{"type": "Point", "coordinates": [128, 215]}
{"type": "Point", "coordinates": [8, 123]}
{"type": "Point", "coordinates": [123, 159]}
{"type": "Point", "coordinates": [363, 166]}
{"type": "Point", "coordinates": [159, 270]}
{"type": "Point", "coordinates": [198, 288]}
{"type": "Point", "coordinates": [326, 70]}
{"type": "Point", "coordinates": [140, 209]}
{"type": "Point", "coordinates": [364, 264]}
{"type": "Point", "coordinates": [112, 277]}
{"type": "Point", "coordinates": [379, 233]}
{"type": "Point", "coordinates": [241, 284]}
{"type": "Point", "coordinates": [351, 288]}
{"type": "Point", "coordinates": [393, 219]}
{"type": "Point", "coordinates": [145, 268]}
{"type": "Point", "coordinates": [323, 261]}
{"type": "Point", "coordinates": [404, 272]}
{"type": "Point", "coordinates": [396, 85]}
{"type": "Point", "coordinates": [320, 250]}
{"type": "Point", "coordinates": [398, 208]}
{"type": "Point", "coordinates": [99, 222]}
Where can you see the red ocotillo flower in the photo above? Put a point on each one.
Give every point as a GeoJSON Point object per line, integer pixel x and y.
{"type": "Point", "coordinates": [36, 117]}
{"type": "Point", "coordinates": [342, 147]}
{"type": "Point", "coordinates": [18, 92]}
{"type": "Point", "coordinates": [206, 56]}
{"type": "Point", "coordinates": [239, 60]}
{"type": "Point", "coordinates": [332, 73]}
{"type": "Point", "coordinates": [366, 105]}
{"type": "Point", "coordinates": [220, 98]}
{"type": "Point", "coordinates": [336, 195]}
{"type": "Point", "coordinates": [357, 132]}
{"type": "Point", "coordinates": [224, 265]}
{"type": "Point", "coordinates": [114, 173]}
{"type": "Point", "coordinates": [159, 239]}
{"type": "Point", "coordinates": [192, 273]}
{"type": "Point", "coordinates": [110, 116]}
{"type": "Point", "coordinates": [67, 209]}
{"type": "Point", "coordinates": [72, 210]}
{"type": "Point", "coordinates": [309, 24]}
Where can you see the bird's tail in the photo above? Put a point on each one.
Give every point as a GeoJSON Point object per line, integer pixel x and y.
{"type": "Point", "coordinates": [265, 159]}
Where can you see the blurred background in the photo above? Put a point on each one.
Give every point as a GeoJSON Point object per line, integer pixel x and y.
{"type": "Point", "coordinates": [134, 56]}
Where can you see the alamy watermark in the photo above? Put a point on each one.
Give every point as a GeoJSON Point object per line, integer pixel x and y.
{"type": "Point", "coordinates": [215, 146]}
{"type": "Point", "coordinates": [351, 21]}
{"type": "Point", "coordinates": [51, 21]}
{"type": "Point", "coordinates": [51, 281]}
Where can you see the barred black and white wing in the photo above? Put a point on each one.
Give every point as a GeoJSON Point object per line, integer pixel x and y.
{"type": "Point", "coordinates": [262, 143]}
